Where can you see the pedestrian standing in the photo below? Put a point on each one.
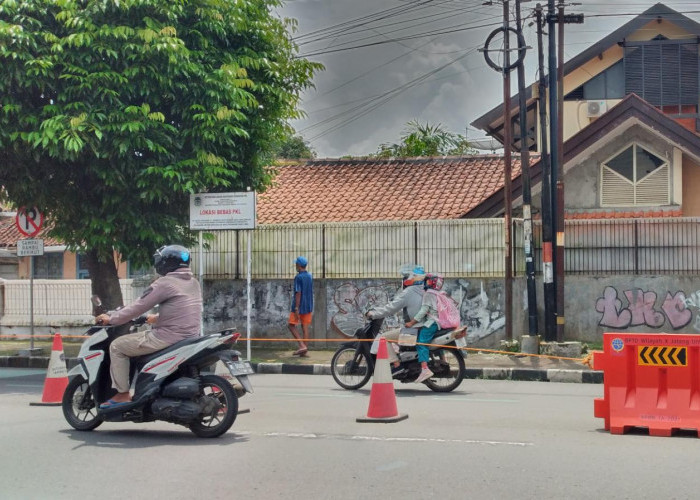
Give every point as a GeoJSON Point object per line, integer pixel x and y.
{"type": "Point", "coordinates": [302, 305]}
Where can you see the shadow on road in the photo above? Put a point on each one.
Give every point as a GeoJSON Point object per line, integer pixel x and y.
{"type": "Point", "coordinates": [144, 438]}
{"type": "Point", "coordinates": [407, 392]}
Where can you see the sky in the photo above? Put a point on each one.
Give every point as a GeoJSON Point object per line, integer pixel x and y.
{"type": "Point", "coordinates": [388, 62]}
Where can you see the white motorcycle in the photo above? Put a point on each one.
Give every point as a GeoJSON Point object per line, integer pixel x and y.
{"type": "Point", "coordinates": [166, 385]}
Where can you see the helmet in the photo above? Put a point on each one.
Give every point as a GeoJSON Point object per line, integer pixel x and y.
{"type": "Point", "coordinates": [434, 281]}
{"type": "Point", "coordinates": [170, 257]}
{"type": "Point", "coordinates": [413, 276]}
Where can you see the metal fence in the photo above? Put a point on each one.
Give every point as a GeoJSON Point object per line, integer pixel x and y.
{"type": "Point", "coordinates": [455, 248]}
{"type": "Point", "coordinates": [55, 297]}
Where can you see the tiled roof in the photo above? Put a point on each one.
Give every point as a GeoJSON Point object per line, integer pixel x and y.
{"type": "Point", "coordinates": [381, 189]}
{"type": "Point", "coordinates": [9, 234]}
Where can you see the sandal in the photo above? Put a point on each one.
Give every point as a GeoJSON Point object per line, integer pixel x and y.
{"type": "Point", "coordinates": [301, 352]}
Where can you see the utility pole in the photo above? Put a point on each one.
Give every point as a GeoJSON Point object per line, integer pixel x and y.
{"type": "Point", "coordinates": [559, 223]}
{"type": "Point", "coordinates": [525, 176]}
{"type": "Point", "coordinates": [507, 142]}
{"type": "Point", "coordinates": [547, 229]}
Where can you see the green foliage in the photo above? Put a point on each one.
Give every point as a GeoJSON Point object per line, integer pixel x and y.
{"type": "Point", "coordinates": [425, 140]}
{"type": "Point", "coordinates": [113, 112]}
{"type": "Point", "coordinates": [294, 148]}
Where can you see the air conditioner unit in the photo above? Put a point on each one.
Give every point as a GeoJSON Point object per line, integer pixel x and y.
{"type": "Point", "coordinates": [596, 108]}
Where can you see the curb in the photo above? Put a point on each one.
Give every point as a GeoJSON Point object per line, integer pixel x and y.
{"type": "Point", "coordinates": [488, 373]}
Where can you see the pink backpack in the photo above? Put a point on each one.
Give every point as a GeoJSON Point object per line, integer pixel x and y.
{"type": "Point", "coordinates": [448, 313]}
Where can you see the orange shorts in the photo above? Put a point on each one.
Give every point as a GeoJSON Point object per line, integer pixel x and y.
{"type": "Point", "coordinates": [305, 318]}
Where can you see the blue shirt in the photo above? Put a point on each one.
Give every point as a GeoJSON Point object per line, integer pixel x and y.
{"type": "Point", "coordinates": [303, 282]}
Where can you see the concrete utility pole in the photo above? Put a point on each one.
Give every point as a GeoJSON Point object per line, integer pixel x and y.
{"type": "Point", "coordinates": [507, 142]}
{"type": "Point", "coordinates": [525, 176]}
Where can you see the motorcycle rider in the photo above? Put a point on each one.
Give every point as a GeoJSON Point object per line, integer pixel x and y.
{"type": "Point", "coordinates": [409, 299]}
{"type": "Point", "coordinates": [179, 296]}
{"type": "Point", "coordinates": [426, 319]}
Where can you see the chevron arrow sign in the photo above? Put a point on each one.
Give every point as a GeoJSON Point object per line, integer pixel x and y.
{"type": "Point", "coordinates": [662, 356]}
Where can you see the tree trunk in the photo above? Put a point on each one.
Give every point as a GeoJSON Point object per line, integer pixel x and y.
{"type": "Point", "coordinates": [105, 281]}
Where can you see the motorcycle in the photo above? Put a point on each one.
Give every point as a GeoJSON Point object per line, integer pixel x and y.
{"type": "Point", "coordinates": [353, 363]}
{"type": "Point", "coordinates": [167, 385]}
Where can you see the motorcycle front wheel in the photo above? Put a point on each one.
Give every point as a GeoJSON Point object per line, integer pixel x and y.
{"type": "Point", "coordinates": [451, 370]}
{"type": "Point", "coordinates": [79, 405]}
{"type": "Point", "coordinates": [225, 407]}
{"type": "Point", "coordinates": [350, 368]}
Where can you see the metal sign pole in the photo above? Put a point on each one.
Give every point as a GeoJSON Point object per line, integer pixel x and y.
{"type": "Point", "coordinates": [201, 281]}
{"type": "Point", "coordinates": [249, 305]}
{"type": "Point", "coordinates": [31, 302]}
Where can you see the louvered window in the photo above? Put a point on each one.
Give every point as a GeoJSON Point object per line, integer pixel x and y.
{"type": "Point", "coordinates": [663, 72]}
{"type": "Point", "coordinates": [635, 177]}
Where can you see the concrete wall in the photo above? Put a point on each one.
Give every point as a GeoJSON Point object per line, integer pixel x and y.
{"type": "Point", "coordinates": [594, 305]}
{"type": "Point", "coordinates": [339, 306]}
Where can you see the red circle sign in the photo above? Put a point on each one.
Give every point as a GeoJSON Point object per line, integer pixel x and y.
{"type": "Point", "coordinates": [29, 221]}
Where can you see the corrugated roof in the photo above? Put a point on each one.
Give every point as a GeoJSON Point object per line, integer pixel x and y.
{"type": "Point", "coordinates": [330, 190]}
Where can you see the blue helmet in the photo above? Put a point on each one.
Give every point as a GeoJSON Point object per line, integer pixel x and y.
{"type": "Point", "coordinates": [415, 276]}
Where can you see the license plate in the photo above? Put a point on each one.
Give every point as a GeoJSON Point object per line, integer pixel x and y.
{"type": "Point", "coordinates": [239, 367]}
{"type": "Point", "coordinates": [461, 342]}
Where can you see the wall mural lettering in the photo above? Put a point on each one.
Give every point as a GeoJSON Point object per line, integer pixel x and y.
{"type": "Point", "coordinates": [641, 309]}
{"type": "Point", "coordinates": [350, 301]}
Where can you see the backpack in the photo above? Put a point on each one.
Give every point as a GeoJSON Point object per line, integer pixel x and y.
{"type": "Point", "coordinates": [448, 313]}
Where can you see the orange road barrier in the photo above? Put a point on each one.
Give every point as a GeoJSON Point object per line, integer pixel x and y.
{"type": "Point", "coordinates": [56, 377]}
{"type": "Point", "coordinates": [650, 381]}
{"type": "Point", "coordinates": [382, 398]}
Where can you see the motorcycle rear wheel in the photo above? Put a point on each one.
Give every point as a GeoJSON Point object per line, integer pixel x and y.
{"type": "Point", "coordinates": [79, 406]}
{"type": "Point", "coordinates": [457, 370]}
{"type": "Point", "coordinates": [350, 368]}
{"type": "Point", "coordinates": [217, 423]}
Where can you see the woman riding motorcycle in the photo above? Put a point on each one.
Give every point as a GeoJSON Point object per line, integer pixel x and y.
{"type": "Point", "coordinates": [409, 299]}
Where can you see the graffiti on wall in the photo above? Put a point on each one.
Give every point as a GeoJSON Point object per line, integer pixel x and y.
{"type": "Point", "coordinates": [640, 308]}
{"type": "Point", "coordinates": [350, 302]}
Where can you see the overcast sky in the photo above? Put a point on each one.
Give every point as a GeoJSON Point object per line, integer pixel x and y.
{"type": "Point", "coordinates": [422, 62]}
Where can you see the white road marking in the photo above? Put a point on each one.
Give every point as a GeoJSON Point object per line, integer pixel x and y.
{"type": "Point", "coordinates": [345, 437]}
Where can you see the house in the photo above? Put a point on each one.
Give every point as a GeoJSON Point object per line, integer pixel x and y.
{"type": "Point", "coordinates": [369, 189]}
{"type": "Point", "coordinates": [56, 263]}
{"type": "Point", "coordinates": [631, 121]}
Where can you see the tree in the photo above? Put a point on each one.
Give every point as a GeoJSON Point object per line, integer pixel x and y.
{"type": "Point", "coordinates": [294, 148]}
{"type": "Point", "coordinates": [113, 113]}
{"type": "Point", "coordinates": [425, 140]}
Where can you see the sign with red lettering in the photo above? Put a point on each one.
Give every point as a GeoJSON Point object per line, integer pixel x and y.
{"type": "Point", "coordinates": [221, 211]}
{"type": "Point", "coordinates": [29, 221]}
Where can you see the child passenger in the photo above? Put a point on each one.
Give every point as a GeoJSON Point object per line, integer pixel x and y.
{"type": "Point", "coordinates": [428, 315]}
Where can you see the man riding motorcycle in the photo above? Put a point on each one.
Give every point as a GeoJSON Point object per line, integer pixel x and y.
{"type": "Point", "coordinates": [179, 296]}
{"type": "Point", "coordinates": [409, 299]}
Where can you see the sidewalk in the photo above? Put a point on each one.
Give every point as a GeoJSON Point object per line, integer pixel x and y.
{"type": "Point", "coordinates": [317, 362]}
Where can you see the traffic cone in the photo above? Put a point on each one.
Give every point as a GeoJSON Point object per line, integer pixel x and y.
{"type": "Point", "coordinates": [221, 370]}
{"type": "Point", "coordinates": [56, 376]}
{"type": "Point", "coordinates": [382, 398]}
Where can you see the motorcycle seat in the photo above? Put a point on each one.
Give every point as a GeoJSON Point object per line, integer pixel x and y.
{"type": "Point", "coordinates": [146, 358]}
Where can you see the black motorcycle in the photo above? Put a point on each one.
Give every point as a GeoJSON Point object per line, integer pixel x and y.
{"type": "Point", "coordinates": [353, 363]}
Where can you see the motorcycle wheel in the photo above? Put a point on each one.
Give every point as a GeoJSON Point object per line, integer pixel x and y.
{"type": "Point", "coordinates": [79, 406]}
{"type": "Point", "coordinates": [350, 368]}
{"type": "Point", "coordinates": [457, 370]}
{"type": "Point", "coordinates": [221, 420]}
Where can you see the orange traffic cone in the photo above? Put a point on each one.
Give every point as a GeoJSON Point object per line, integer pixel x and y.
{"type": "Point", "coordinates": [382, 398]}
{"type": "Point", "coordinates": [56, 376]}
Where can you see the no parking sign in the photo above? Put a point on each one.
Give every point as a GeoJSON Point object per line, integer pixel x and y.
{"type": "Point", "coordinates": [29, 221]}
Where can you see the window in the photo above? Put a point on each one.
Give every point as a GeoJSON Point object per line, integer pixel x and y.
{"type": "Point", "coordinates": [635, 177]}
{"type": "Point", "coordinates": [610, 84]}
{"type": "Point", "coordinates": [49, 266]}
{"type": "Point", "coordinates": [81, 267]}
{"type": "Point", "coordinates": [662, 72]}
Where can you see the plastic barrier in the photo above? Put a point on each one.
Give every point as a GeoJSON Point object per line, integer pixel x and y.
{"type": "Point", "coordinates": [650, 381]}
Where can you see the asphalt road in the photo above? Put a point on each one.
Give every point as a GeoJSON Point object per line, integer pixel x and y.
{"type": "Point", "coordinates": [489, 439]}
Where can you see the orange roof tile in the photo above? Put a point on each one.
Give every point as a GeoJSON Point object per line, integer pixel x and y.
{"type": "Point", "coordinates": [331, 190]}
{"type": "Point", "coordinates": [9, 234]}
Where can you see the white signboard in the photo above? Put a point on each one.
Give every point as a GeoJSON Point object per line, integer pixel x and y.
{"type": "Point", "coordinates": [27, 248]}
{"type": "Point", "coordinates": [212, 211]}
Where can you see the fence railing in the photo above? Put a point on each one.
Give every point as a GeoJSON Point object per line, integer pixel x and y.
{"type": "Point", "coordinates": [56, 297]}
{"type": "Point", "coordinates": [455, 248]}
